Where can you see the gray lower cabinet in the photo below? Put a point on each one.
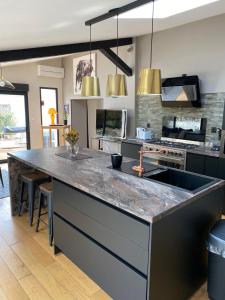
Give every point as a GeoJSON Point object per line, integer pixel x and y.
{"type": "Point", "coordinates": [110, 246]}
{"type": "Point", "coordinates": [206, 165]}
{"type": "Point", "coordinates": [195, 163]}
{"type": "Point", "coordinates": [221, 168]}
{"type": "Point", "coordinates": [130, 150]}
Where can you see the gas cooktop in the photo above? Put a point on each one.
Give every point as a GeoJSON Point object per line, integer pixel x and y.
{"type": "Point", "coordinates": [173, 144]}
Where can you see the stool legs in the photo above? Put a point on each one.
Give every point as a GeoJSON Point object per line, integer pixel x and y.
{"type": "Point", "coordinates": [50, 215]}
{"type": "Point", "coordinates": [39, 210]}
{"type": "Point", "coordinates": [31, 195]}
{"type": "Point", "coordinates": [50, 220]}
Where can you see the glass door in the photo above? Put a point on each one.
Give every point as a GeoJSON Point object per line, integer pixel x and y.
{"type": "Point", "coordinates": [49, 99]}
{"type": "Point", "coordinates": [13, 123]}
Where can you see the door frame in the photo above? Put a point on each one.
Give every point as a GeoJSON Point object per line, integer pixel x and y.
{"type": "Point", "coordinates": [57, 105]}
{"type": "Point", "coordinates": [20, 89]}
{"type": "Point", "coordinates": [57, 100]}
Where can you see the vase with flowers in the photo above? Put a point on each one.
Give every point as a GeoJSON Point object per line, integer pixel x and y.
{"type": "Point", "coordinates": [72, 138]}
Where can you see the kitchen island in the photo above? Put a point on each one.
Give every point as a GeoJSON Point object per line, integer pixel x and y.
{"type": "Point", "coordinates": [136, 238]}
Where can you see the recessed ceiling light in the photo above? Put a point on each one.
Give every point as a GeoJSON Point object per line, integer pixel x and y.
{"type": "Point", "coordinates": [164, 8]}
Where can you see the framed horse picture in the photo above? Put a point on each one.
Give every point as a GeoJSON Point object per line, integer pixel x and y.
{"type": "Point", "coordinates": [82, 67]}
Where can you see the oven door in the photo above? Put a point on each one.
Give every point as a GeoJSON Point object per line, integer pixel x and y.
{"type": "Point", "coordinates": [162, 160]}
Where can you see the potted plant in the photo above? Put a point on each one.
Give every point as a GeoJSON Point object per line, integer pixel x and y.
{"type": "Point", "coordinates": [72, 138]}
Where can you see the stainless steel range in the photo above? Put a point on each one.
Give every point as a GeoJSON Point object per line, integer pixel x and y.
{"type": "Point", "coordinates": [167, 153]}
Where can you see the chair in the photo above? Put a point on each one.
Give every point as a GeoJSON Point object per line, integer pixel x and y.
{"type": "Point", "coordinates": [45, 193]}
{"type": "Point", "coordinates": [32, 182]}
{"type": "Point", "coordinates": [1, 178]}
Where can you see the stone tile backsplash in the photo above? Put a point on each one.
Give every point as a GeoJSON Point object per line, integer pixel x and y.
{"type": "Point", "coordinates": [150, 110]}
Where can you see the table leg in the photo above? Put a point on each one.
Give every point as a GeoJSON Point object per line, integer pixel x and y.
{"type": "Point", "coordinates": [50, 137]}
{"type": "Point", "coordinates": [63, 137]}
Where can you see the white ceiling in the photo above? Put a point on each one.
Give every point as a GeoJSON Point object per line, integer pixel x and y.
{"type": "Point", "coordinates": [35, 23]}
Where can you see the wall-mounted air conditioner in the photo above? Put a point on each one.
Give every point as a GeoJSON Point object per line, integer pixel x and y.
{"type": "Point", "coordinates": [49, 71]}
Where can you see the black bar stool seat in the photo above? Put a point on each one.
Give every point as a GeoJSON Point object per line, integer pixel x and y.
{"type": "Point", "coordinates": [32, 181]}
{"type": "Point", "coordinates": [45, 192]}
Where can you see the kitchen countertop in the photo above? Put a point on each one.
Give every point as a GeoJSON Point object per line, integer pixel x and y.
{"type": "Point", "coordinates": [199, 150]}
{"type": "Point", "coordinates": [205, 151]}
{"type": "Point", "coordinates": [134, 140]}
{"type": "Point", "coordinates": [144, 199]}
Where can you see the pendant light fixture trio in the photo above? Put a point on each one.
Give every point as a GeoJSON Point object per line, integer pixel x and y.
{"type": "Point", "coordinates": [149, 79]}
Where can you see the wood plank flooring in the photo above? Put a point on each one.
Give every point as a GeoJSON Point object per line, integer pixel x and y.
{"type": "Point", "coordinates": [29, 269]}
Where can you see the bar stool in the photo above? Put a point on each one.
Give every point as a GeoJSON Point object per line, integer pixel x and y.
{"type": "Point", "coordinates": [1, 177]}
{"type": "Point", "coordinates": [31, 181]}
{"type": "Point", "coordinates": [45, 193]}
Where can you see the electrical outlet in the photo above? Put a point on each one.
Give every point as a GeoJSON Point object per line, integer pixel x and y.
{"type": "Point", "coordinates": [213, 129]}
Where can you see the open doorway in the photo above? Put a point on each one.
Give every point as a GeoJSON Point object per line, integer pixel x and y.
{"type": "Point", "coordinates": [49, 99]}
{"type": "Point", "coordinates": [14, 122]}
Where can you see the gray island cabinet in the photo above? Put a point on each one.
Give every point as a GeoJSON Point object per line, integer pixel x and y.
{"type": "Point", "coordinates": [136, 238]}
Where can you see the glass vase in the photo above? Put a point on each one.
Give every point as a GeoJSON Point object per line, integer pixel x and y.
{"type": "Point", "coordinates": [74, 148]}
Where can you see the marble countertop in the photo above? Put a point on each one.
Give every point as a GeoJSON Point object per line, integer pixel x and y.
{"type": "Point", "coordinates": [205, 151]}
{"type": "Point", "coordinates": [144, 199]}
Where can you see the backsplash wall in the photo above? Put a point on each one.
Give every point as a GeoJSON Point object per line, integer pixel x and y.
{"type": "Point", "coordinates": [150, 110]}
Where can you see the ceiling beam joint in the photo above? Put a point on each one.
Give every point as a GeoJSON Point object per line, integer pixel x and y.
{"type": "Point", "coordinates": [116, 60]}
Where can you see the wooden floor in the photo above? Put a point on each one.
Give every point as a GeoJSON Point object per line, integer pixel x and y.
{"type": "Point", "coordinates": [29, 270]}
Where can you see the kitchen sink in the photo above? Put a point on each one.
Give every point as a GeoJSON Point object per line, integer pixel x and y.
{"type": "Point", "coordinates": [190, 182]}
{"type": "Point", "coordinates": [181, 179]}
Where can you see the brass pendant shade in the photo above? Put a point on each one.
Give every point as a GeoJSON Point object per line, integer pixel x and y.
{"type": "Point", "coordinates": [116, 86]}
{"type": "Point", "coordinates": [149, 82]}
{"type": "Point", "coordinates": [90, 86]}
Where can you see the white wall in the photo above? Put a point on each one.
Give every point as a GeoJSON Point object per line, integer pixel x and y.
{"type": "Point", "coordinates": [27, 73]}
{"type": "Point", "coordinates": [195, 48]}
{"type": "Point", "coordinates": [105, 67]}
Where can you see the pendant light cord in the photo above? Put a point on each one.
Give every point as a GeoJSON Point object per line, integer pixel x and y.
{"type": "Point", "coordinates": [90, 47]}
{"type": "Point", "coordinates": [152, 35]}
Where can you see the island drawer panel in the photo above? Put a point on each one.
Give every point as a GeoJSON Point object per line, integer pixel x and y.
{"type": "Point", "coordinates": [123, 235]}
{"type": "Point", "coordinates": [115, 277]}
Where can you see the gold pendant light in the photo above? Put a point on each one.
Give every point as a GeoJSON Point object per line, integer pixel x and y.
{"type": "Point", "coordinates": [116, 83]}
{"type": "Point", "coordinates": [116, 86]}
{"type": "Point", "coordinates": [150, 79]}
{"type": "Point", "coordinates": [90, 84]}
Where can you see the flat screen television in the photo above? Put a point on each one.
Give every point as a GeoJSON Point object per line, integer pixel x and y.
{"type": "Point", "coordinates": [181, 91]}
{"type": "Point", "coordinates": [111, 123]}
{"type": "Point", "coordinates": [184, 128]}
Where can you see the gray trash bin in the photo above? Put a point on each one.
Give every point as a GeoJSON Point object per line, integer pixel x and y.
{"type": "Point", "coordinates": [216, 261]}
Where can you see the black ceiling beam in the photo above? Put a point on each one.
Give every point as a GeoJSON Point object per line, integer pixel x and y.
{"type": "Point", "coordinates": [21, 54]}
{"type": "Point", "coordinates": [115, 59]}
{"type": "Point", "coordinates": [113, 12]}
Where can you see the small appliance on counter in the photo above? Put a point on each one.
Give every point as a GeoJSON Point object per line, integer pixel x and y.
{"type": "Point", "coordinates": [144, 133]}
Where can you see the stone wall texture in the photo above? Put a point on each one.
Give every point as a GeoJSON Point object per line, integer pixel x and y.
{"type": "Point", "coordinates": [150, 110]}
